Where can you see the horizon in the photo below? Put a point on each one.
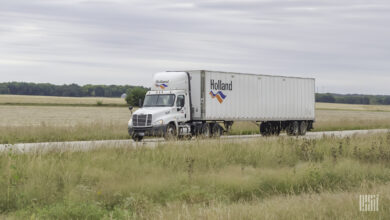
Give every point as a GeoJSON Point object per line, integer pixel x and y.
{"type": "Point", "coordinates": [148, 87]}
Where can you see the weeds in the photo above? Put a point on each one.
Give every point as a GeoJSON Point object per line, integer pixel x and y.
{"type": "Point", "coordinates": [133, 183]}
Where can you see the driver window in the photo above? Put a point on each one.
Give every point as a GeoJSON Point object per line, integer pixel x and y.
{"type": "Point", "coordinates": [180, 101]}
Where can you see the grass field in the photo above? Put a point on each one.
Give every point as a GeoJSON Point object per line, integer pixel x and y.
{"type": "Point", "coordinates": [63, 123]}
{"type": "Point", "coordinates": [55, 100]}
{"type": "Point", "coordinates": [274, 178]}
{"type": "Point", "coordinates": [349, 107]}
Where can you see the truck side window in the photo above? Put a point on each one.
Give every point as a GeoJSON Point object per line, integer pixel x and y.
{"type": "Point", "coordinates": [180, 101]}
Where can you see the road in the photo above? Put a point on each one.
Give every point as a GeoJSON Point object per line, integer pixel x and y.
{"type": "Point", "coordinates": [88, 145]}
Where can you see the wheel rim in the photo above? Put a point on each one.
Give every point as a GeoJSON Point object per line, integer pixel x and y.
{"type": "Point", "coordinates": [303, 127]}
{"type": "Point", "coordinates": [206, 130]}
{"type": "Point", "coordinates": [216, 131]}
{"type": "Point", "coordinates": [170, 132]}
{"type": "Point", "coordinates": [296, 128]}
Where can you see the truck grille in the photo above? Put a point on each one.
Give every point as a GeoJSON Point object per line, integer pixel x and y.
{"type": "Point", "coordinates": [142, 120]}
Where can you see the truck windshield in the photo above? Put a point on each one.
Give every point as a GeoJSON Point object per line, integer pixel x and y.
{"type": "Point", "coordinates": [159, 100]}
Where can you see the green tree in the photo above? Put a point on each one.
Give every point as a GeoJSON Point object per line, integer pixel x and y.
{"type": "Point", "coordinates": [99, 91]}
{"type": "Point", "coordinates": [134, 95]}
{"type": "Point", "coordinates": [4, 89]}
{"type": "Point", "coordinates": [325, 98]}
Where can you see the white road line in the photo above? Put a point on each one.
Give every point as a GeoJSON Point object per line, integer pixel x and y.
{"type": "Point", "coordinates": [88, 145]}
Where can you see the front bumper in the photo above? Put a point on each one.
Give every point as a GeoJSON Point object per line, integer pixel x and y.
{"type": "Point", "coordinates": [153, 131]}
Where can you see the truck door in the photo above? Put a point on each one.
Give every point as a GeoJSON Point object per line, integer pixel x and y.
{"type": "Point", "coordinates": [182, 108]}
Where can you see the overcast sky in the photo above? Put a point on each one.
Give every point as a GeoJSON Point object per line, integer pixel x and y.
{"type": "Point", "coordinates": [344, 44]}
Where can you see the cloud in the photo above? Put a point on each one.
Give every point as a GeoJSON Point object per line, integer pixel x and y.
{"type": "Point", "coordinates": [125, 42]}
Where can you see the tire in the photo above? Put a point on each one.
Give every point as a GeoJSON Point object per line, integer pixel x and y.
{"type": "Point", "coordinates": [206, 130]}
{"type": "Point", "coordinates": [170, 132]}
{"type": "Point", "coordinates": [228, 125]}
{"type": "Point", "coordinates": [137, 138]}
{"type": "Point", "coordinates": [265, 129]}
{"type": "Point", "coordinates": [303, 127]}
{"type": "Point", "coordinates": [275, 129]}
{"type": "Point", "coordinates": [216, 130]}
{"type": "Point", "coordinates": [293, 128]}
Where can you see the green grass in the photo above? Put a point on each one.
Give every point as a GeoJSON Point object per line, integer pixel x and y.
{"type": "Point", "coordinates": [180, 179]}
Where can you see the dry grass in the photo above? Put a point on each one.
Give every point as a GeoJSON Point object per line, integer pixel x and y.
{"type": "Point", "coordinates": [61, 123]}
{"type": "Point", "coordinates": [53, 123]}
{"type": "Point", "coordinates": [24, 99]}
{"type": "Point", "coordinates": [60, 116]}
{"type": "Point", "coordinates": [336, 106]}
{"type": "Point", "coordinates": [330, 120]}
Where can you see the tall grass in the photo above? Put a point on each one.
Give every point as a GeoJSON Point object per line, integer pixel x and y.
{"type": "Point", "coordinates": [177, 179]}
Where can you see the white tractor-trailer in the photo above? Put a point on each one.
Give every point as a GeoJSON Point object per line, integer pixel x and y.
{"type": "Point", "coordinates": [205, 103]}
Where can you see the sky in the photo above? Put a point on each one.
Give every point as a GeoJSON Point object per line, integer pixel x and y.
{"type": "Point", "coordinates": [344, 44]}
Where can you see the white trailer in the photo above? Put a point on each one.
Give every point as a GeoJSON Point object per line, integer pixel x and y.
{"type": "Point", "coordinates": [201, 102]}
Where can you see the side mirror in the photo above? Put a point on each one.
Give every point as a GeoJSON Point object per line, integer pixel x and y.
{"type": "Point", "coordinates": [131, 109]}
{"type": "Point", "coordinates": [179, 108]}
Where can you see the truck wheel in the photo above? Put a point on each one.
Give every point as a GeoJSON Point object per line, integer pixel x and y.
{"type": "Point", "coordinates": [137, 138]}
{"type": "Point", "coordinates": [206, 130]}
{"type": "Point", "coordinates": [265, 129]}
{"type": "Point", "coordinates": [293, 128]}
{"type": "Point", "coordinates": [216, 130]}
{"type": "Point", "coordinates": [275, 129]}
{"type": "Point", "coordinates": [228, 125]}
{"type": "Point", "coordinates": [170, 132]}
{"type": "Point", "coordinates": [303, 128]}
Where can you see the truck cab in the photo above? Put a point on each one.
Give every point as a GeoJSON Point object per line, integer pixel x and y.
{"type": "Point", "coordinates": [166, 108]}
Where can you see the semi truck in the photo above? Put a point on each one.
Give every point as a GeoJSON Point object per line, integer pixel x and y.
{"type": "Point", "coordinates": [183, 104]}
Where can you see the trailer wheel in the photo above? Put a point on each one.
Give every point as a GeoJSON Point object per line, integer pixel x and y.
{"type": "Point", "coordinates": [228, 125]}
{"type": "Point", "coordinates": [303, 128]}
{"type": "Point", "coordinates": [206, 130]}
{"type": "Point", "coordinates": [265, 129]}
{"type": "Point", "coordinates": [216, 130]}
{"type": "Point", "coordinates": [293, 128]}
{"type": "Point", "coordinates": [170, 132]}
{"type": "Point", "coordinates": [275, 129]}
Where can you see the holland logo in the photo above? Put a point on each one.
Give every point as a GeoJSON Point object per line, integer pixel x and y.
{"type": "Point", "coordinates": [219, 95]}
{"type": "Point", "coordinates": [162, 86]}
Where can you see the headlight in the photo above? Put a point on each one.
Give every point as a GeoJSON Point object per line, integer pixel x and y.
{"type": "Point", "coordinates": [159, 122]}
{"type": "Point", "coordinates": [130, 122]}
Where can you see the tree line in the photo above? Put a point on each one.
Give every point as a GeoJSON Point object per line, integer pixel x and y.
{"type": "Point", "coordinates": [134, 93]}
{"type": "Point", "coordinates": [353, 99]}
{"type": "Point", "coordinates": [71, 90]}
